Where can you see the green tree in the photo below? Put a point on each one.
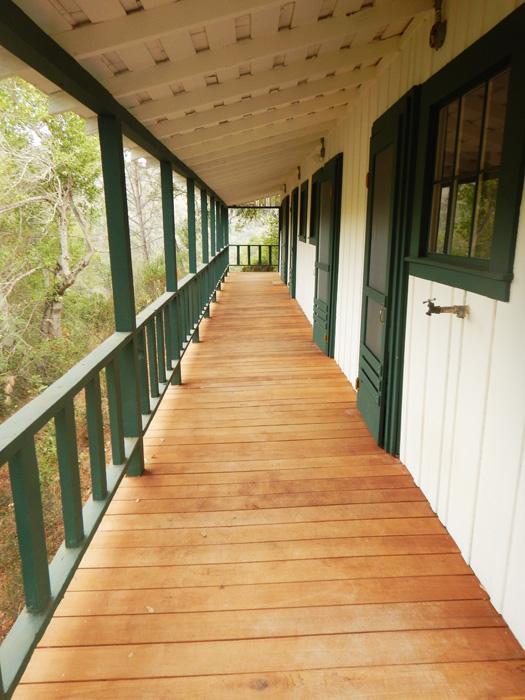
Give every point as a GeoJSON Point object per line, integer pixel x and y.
{"type": "Point", "coordinates": [50, 194]}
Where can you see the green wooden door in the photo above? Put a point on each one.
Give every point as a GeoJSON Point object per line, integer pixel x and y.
{"type": "Point", "coordinates": [385, 276]}
{"type": "Point", "coordinates": [327, 208]}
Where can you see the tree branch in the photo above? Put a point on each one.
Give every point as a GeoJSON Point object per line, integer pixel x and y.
{"type": "Point", "coordinates": [30, 200]}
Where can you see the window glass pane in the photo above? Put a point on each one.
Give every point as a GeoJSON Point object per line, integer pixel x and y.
{"type": "Point", "coordinates": [381, 219]}
{"type": "Point", "coordinates": [495, 120]}
{"type": "Point", "coordinates": [485, 210]}
{"type": "Point", "coordinates": [324, 222]}
{"type": "Point", "coordinates": [463, 218]}
{"type": "Point", "coordinates": [448, 124]}
{"type": "Point", "coordinates": [439, 224]}
{"type": "Point", "coordinates": [322, 285]}
{"type": "Point", "coordinates": [470, 130]}
{"type": "Point", "coordinates": [374, 328]}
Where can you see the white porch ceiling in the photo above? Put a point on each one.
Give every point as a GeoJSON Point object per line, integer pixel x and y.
{"type": "Point", "coordinates": [242, 91]}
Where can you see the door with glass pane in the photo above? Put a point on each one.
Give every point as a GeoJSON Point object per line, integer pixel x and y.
{"type": "Point", "coordinates": [327, 208]}
{"type": "Point", "coordinates": [376, 324]}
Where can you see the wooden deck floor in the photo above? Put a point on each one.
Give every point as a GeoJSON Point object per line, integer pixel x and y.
{"type": "Point", "coordinates": [271, 550]}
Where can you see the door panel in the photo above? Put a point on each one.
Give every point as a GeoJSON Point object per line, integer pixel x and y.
{"type": "Point", "coordinates": [327, 208]}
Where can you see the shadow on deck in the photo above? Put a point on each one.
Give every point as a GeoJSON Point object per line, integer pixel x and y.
{"type": "Point", "coordinates": [271, 549]}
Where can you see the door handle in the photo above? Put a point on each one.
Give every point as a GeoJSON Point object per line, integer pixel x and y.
{"type": "Point", "coordinates": [381, 316]}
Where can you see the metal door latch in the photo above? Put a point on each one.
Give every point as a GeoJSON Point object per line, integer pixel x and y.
{"type": "Point", "coordinates": [460, 311]}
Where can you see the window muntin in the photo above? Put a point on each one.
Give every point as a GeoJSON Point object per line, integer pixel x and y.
{"type": "Point", "coordinates": [466, 176]}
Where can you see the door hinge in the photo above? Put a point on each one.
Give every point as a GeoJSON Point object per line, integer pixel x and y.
{"type": "Point", "coordinates": [326, 337]}
{"type": "Point", "coordinates": [367, 180]}
{"type": "Point", "coordinates": [357, 383]}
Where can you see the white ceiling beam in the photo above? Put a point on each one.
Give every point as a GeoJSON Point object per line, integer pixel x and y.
{"type": "Point", "coordinates": [255, 173]}
{"type": "Point", "coordinates": [277, 99]}
{"type": "Point", "coordinates": [334, 60]}
{"type": "Point", "coordinates": [316, 130]}
{"type": "Point", "coordinates": [318, 106]}
{"type": "Point", "coordinates": [278, 157]}
{"type": "Point", "coordinates": [136, 27]}
{"type": "Point", "coordinates": [304, 143]}
{"type": "Point", "coordinates": [235, 196]}
{"type": "Point", "coordinates": [283, 173]}
{"type": "Point", "coordinates": [270, 131]}
{"type": "Point", "coordinates": [370, 18]}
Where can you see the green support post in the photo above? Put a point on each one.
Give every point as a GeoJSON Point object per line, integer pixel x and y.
{"type": "Point", "coordinates": [170, 255]}
{"type": "Point", "coordinates": [112, 156]}
{"type": "Point", "coordinates": [192, 242]}
{"type": "Point", "coordinates": [25, 485]}
{"type": "Point", "coordinates": [69, 474]}
{"type": "Point", "coordinates": [204, 227]}
{"type": "Point", "coordinates": [97, 457]}
{"type": "Point", "coordinates": [218, 225]}
{"type": "Point", "coordinates": [168, 220]}
{"type": "Point", "coordinates": [226, 226]}
{"type": "Point", "coordinates": [212, 226]}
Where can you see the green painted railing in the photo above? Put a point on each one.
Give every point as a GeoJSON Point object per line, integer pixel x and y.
{"type": "Point", "coordinates": [254, 255]}
{"type": "Point", "coordinates": [153, 351]}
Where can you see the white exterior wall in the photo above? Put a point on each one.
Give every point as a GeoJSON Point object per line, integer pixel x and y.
{"type": "Point", "coordinates": [463, 422]}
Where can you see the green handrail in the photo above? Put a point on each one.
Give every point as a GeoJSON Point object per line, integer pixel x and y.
{"type": "Point", "coordinates": [163, 332]}
{"type": "Point", "coordinates": [254, 255]}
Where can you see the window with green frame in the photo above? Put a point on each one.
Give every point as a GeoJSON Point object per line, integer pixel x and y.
{"type": "Point", "coordinates": [469, 165]}
{"type": "Point", "coordinates": [303, 211]}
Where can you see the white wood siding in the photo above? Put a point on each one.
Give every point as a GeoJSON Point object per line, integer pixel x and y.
{"type": "Point", "coordinates": [463, 417]}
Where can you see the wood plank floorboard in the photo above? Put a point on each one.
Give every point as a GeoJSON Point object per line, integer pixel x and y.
{"type": "Point", "coordinates": [270, 549]}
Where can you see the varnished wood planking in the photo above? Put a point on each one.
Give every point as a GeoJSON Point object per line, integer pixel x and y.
{"type": "Point", "coordinates": [265, 539]}
{"type": "Point", "coordinates": [272, 655]}
{"type": "Point", "coordinates": [154, 628]}
{"type": "Point", "coordinates": [173, 537]}
{"type": "Point", "coordinates": [255, 574]}
{"type": "Point", "coordinates": [313, 514]}
{"type": "Point", "coordinates": [468, 681]}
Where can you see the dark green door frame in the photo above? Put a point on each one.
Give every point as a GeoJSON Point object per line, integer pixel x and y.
{"type": "Point", "coordinates": [294, 218]}
{"type": "Point", "coordinates": [381, 372]}
{"type": "Point", "coordinates": [328, 188]}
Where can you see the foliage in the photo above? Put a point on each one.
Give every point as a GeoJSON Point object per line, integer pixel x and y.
{"type": "Point", "coordinates": [49, 201]}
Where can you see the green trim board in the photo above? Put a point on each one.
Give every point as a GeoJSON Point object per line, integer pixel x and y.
{"type": "Point", "coordinates": [25, 40]}
{"type": "Point", "coordinates": [500, 48]}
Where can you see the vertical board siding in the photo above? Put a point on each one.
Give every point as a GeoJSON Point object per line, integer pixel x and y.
{"type": "Point", "coordinates": [463, 416]}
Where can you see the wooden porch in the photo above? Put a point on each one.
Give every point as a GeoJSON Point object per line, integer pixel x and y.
{"type": "Point", "coordinates": [271, 549]}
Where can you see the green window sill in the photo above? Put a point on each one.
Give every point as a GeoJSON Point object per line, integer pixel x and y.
{"type": "Point", "coordinates": [490, 284]}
